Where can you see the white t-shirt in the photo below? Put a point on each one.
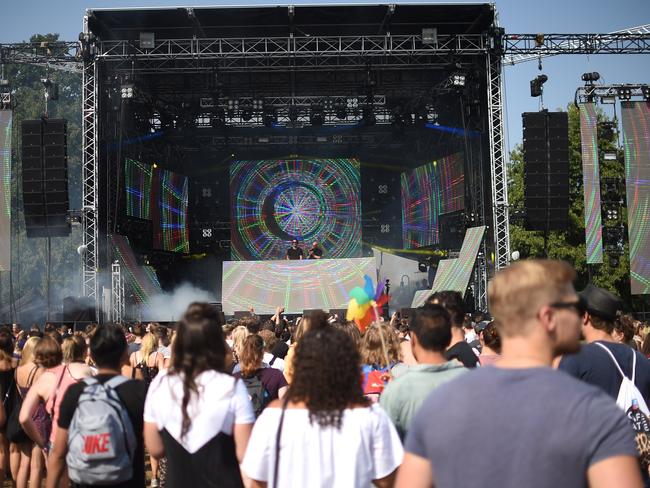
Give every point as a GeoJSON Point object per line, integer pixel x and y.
{"type": "Point", "coordinates": [221, 403]}
{"type": "Point", "coordinates": [365, 448]}
{"type": "Point", "coordinates": [277, 364]}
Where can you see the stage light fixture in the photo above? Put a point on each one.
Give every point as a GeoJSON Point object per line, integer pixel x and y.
{"type": "Point", "coordinates": [316, 116]}
{"type": "Point", "coordinates": [293, 114]}
{"type": "Point", "coordinates": [607, 100]}
{"type": "Point", "coordinates": [147, 40]}
{"type": "Point", "coordinates": [368, 116]}
{"type": "Point", "coordinates": [429, 36]}
{"type": "Point", "coordinates": [270, 117]}
{"type": "Point", "coordinates": [536, 85]}
{"type": "Point", "coordinates": [590, 78]}
{"type": "Point", "coordinates": [458, 79]}
{"type": "Point", "coordinates": [127, 91]}
{"type": "Point", "coordinates": [607, 130]}
{"type": "Point", "coordinates": [246, 114]}
{"type": "Point", "coordinates": [422, 266]}
{"type": "Point", "coordinates": [624, 93]}
{"type": "Point", "coordinates": [645, 91]}
{"type": "Point", "coordinates": [610, 156]}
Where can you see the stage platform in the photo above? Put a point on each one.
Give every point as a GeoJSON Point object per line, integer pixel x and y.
{"type": "Point", "coordinates": [294, 285]}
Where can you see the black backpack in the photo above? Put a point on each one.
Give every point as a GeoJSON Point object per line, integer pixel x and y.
{"type": "Point", "coordinates": [258, 394]}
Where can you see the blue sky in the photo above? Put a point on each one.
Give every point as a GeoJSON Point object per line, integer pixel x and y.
{"type": "Point", "coordinates": [22, 18]}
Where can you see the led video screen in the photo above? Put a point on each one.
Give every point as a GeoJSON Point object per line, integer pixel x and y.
{"type": "Point", "coordinates": [591, 182]}
{"type": "Point", "coordinates": [295, 285]}
{"type": "Point", "coordinates": [137, 182]}
{"type": "Point", "coordinates": [429, 191]}
{"type": "Point", "coordinates": [309, 199]}
{"type": "Point", "coordinates": [5, 189]}
{"type": "Point", "coordinates": [142, 280]}
{"type": "Point", "coordinates": [636, 140]}
{"type": "Point", "coordinates": [170, 229]}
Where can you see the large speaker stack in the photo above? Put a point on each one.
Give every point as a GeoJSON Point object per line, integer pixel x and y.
{"type": "Point", "coordinates": [546, 170]}
{"type": "Point", "coordinates": [45, 177]}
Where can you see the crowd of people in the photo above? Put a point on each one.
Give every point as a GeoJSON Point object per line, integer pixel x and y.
{"type": "Point", "coordinates": [550, 389]}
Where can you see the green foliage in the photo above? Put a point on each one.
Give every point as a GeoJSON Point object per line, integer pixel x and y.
{"type": "Point", "coordinates": [25, 288]}
{"type": "Point", "coordinates": [614, 272]}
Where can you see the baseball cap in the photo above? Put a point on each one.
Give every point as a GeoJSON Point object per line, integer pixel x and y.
{"type": "Point", "coordinates": [600, 302]}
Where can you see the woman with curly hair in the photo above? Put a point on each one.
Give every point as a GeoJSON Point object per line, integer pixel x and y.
{"type": "Point", "coordinates": [380, 358]}
{"type": "Point", "coordinates": [196, 414]}
{"type": "Point", "coordinates": [323, 433]}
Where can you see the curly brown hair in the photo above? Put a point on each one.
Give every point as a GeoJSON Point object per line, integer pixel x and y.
{"type": "Point", "coordinates": [199, 347]}
{"type": "Point", "coordinates": [327, 375]}
{"type": "Point", "coordinates": [380, 344]}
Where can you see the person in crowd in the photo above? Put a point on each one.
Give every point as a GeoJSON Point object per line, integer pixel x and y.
{"type": "Point", "coordinates": [380, 358]}
{"type": "Point", "coordinates": [239, 335]}
{"type": "Point", "coordinates": [430, 336]}
{"type": "Point", "coordinates": [269, 358]}
{"type": "Point", "coordinates": [593, 363]}
{"type": "Point", "coordinates": [645, 347]}
{"type": "Point", "coordinates": [162, 334]}
{"type": "Point", "coordinates": [74, 350]}
{"type": "Point", "coordinates": [148, 359]}
{"type": "Point", "coordinates": [458, 349]}
{"type": "Point", "coordinates": [351, 329]}
{"type": "Point", "coordinates": [138, 332]}
{"type": "Point", "coordinates": [327, 433]}
{"type": "Point", "coordinates": [108, 349]}
{"type": "Point", "coordinates": [49, 389]}
{"type": "Point", "coordinates": [256, 376]}
{"type": "Point", "coordinates": [8, 365]}
{"type": "Point", "coordinates": [196, 414]}
{"type": "Point", "coordinates": [625, 330]}
{"type": "Point", "coordinates": [401, 326]}
{"type": "Point", "coordinates": [490, 344]}
{"type": "Point", "coordinates": [294, 252]}
{"type": "Point", "coordinates": [471, 337]}
{"type": "Point", "coordinates": [16, 329]}
{"type": "Point", "coordinates": [315, 320]}
{"type": "Point", "coordinates": [542, 428]}
{"type": "Point", "coordinates": [30, 467]}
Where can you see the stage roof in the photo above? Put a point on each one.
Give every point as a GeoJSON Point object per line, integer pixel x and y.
{"type": "Point", "coordinates": [276, 21]}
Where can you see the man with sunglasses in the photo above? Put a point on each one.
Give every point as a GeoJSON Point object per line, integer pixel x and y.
{"type": "Point", "coordinates": [592, 364]}
{"type": "Point", "coordinates": [538, 427]}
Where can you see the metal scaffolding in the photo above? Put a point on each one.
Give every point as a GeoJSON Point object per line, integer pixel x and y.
{"type": "Point", "coordinates": [117, 294]}
{"type": "Point", "coordinates": [314, 53]}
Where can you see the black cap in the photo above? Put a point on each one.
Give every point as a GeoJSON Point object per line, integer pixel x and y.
{"type": "Point", "coordinates": [600, 302]}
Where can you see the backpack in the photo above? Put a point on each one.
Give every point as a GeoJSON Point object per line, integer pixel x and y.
{"type": "Point", "coordinates": [374, 380]}
{"type": "Point", "coordinates": [101, 439]}
{"type": "Point", "coordinates": [633, 404]}
{"type": "Point", "coordinates": [257, 393]}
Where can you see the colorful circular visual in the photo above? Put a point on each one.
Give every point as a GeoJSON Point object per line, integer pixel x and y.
{"type": "Point", "coordinates": [276, 201]}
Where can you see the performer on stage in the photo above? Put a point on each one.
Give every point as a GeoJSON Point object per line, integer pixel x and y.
{"type": "Point", "coordinates": [314, 251]}
{"type": "Point", "coordinates": [294, 252]}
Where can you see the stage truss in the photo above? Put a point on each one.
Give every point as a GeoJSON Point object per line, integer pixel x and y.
{"type": "Point", "coordinates": [314, 53]}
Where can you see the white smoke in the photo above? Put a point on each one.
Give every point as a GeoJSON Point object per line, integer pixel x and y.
{"type": "Point", "coordinates": [169, 307]}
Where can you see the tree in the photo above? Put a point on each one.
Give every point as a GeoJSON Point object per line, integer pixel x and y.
{"type": "Point", "coordinates": [614, 273]}
{"type": "Point", "coordinates": [25, 286]}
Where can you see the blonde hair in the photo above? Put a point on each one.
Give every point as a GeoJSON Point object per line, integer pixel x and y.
{"type": "Point", "coordinates": [74, 349]}
{"type": "Point", "coordinates": [239, 335]}
{"type": "Point", "coordinates": [380, 344]}
{"type": "Point", "coordinates": [148, 346]}
{"type": "Point", "coordinates": [28, 350]}
{"type": "Point", "coordinates": [517, 292]}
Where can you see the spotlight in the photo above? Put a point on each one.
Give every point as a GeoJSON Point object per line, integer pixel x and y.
{"type": "Point", "coordinates": [536, 85]}
{"type": "Point", "coordinates": [645, 89]}
{"type": "Point", "coordinates": [624, 93]}
{"type": "Point", "coordinates": [607, 131]}
{"type": "Point", "coordinates": [610, 156]}
{"type": "Point", "coordinates": [270, 117]}
{"type": "Point", "coordinates": [127, 90]}
{"type": "Point", "coordinates": [422, 266]}
{"type": "Point", "coordinates": [590, 78]}
{"type": "Point", "coordinates": [316, 117]}
{"type": "Point", "coordinates": [458, 79]}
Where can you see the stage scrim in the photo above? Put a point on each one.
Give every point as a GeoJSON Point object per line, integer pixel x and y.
{"type": "Point", "coordinates": [294, 285]}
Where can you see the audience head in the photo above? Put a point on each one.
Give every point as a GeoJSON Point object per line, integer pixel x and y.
{"type": "Point", "coordinates": [251, 357]}
{"type": "Point", "coordinates": [74, 349]}
{"type": "Point", "coordinates": [47, 353]}
{"type": "Point", "coordinates": [601, 306]}
{"type": "Point", "coordinates": [108, 347]}
{"type": "Point", "coordinates": [624, 329]}
{"type": "Point", "coordinates": [351, 329]}
{"type": "Point", "coordinates": [533, 293]}
{"type": "Point", "coordinates": [326, 377]}
{"type": "Point", "coordinates": [238, 336]}
{"type": "Point", "coordinates": [489, 337]}
{"type": "Point", "coordinates": [28, 350]}
{"type": "Point", "coordinates": [139, 330]}
{"type": "Point", "coordinates": [6, 345]}
{"type": "Point", "coordinates": [430, 329]}
{"type": "Point", "coordinates": [453, 303]}
{"type": "Point", "coordinates": [269, 340]}
{"type": "Point", "coordinates": [380, 345]}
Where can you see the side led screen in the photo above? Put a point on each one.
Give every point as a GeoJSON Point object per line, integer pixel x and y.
{"type": "Point", "coordinates": [170, 230]}
{"type": "Point", "coordinates": [429, 191]}
{"type": "Point", "coordinates": [591, 180]}
{"type": "Point", "coordinates": [137, 183]}
{"type": "Point", "coordinates": [142, 280]}
{"type": "Point", "coordinates": [276, 201]}
{"type": "Point", "coordinates": [295, 285]}
{"type": "Point", "coordinates": [636, 140]}
{"type": "Point", "coordinates": [5, 189]}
